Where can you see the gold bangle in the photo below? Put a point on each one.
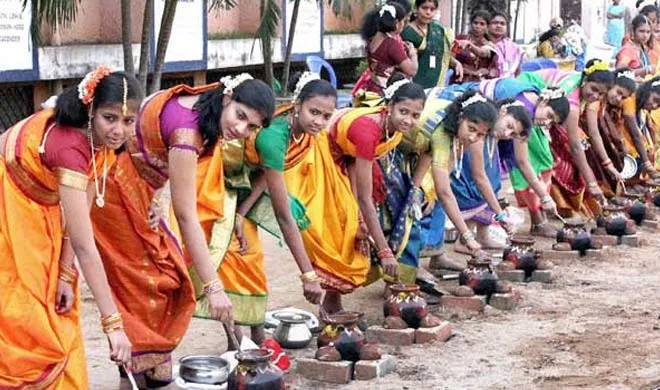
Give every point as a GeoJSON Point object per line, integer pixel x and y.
{"type": "Point", "coordinates": [111, 318]}
{"type": "Point", "coordinates": [209, 283]}
{"type": "Point", "coordinates": [309, 277]}
{"type": "Point", "coordinates": [112, 328]}
{"type": "Point", "coordinates": [214, 288]}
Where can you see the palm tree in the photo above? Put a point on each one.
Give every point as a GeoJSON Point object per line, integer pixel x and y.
{"type": "Point", "coordinates": [126, 40]}
{"type": "Point", "coordinates": [163, 40]}
{"type": "Point", "coordinates": [56, 13]}
{"type": "Point", "coordinates": [289, 47]}
{"type": "Point", "coordinates": [145, 43]}
{"type": "Point", "coordinates": [267, 31]}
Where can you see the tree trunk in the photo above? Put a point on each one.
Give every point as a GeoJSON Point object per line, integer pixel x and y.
{"type": "Point", "coordinates": [464, 18]}
{"type": "Point", "coordinates": [126, 39]}
{"type": "Point", "coordinates": [457, 17]}
{"type": "Point", "coordinates": [515, 23]}
{"type": "Point", "coordinates": [289, 48]}
{"type": "Point", "coordinates": [267, 50]}
{"type": "Point", "coordinates": [163, 41]}
{"type": "Point", "coordinates": [145, 43]}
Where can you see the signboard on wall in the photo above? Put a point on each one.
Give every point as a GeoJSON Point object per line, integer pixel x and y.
{"type": "Point", "coordinates": [308, 35]}
{"type": "Point", "coordinates": [187, 46]}
{"type": "Point", "coordinates": [18, 61]}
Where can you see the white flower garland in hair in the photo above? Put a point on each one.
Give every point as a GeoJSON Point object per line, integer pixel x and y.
{"type": "Point", "coordinates": [391, 90]}
{"type": "Point", "coordinates": [627, 74]}
{"type": "Point", "coordinates": [551, 94]}
{"type": "Point", "coordinates": [231, 83]}
{"type": "Point", "coordinates": [387, 8]}
{"type": "Point", "coordinates": [304, 79]}
{"type": "Point", "coordinates": [512, 104]}
{"type": "Point", "coordinates": [476, 98]}
{"type": "Point", "coordinates": [656, 83]}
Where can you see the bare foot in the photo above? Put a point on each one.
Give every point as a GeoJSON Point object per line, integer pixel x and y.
{"type": "Point", "coordinates": [489, 243]}
{"type": "Point", "coordinates": [459, 247]}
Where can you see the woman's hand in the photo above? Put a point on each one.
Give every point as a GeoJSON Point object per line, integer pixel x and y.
{"type": "Point", "coordinates": [390, 267]}
{"type": "Point", "coordinates": [613, 173]}
{"type": "Point", "coordinates": [507, 225]}
{"type": "Point", "coordinates": [473, 246]}
{"type": "Point", "coordinates": [157, 211]}
{"type": "Point", "coordinates": [221, 307]}
{"type": "Point", "coordinates": [410, 49]}
{"type": "Point", "coordinates": [120, 348]}
{"type": "Point", "coordinates": [595, 191]}
{"type": "Point", "coordinates": [312, 291]}
{"type": "Point", "coordinates": [458, 70]}
{"type": "Point", "coordinates": [65, 297]}
{"type": "Point", "coordinates": [240, 236]}
{"type": "Point", "coordinates": [549, 206]}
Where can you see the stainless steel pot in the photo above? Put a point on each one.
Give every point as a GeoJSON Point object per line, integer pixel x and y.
{"type": "Point", "coordinates": [209, 370]}
{"type": "Point", "coordinates": [292, 331]}
{"type": "Point", "coordinates": [451, 235]}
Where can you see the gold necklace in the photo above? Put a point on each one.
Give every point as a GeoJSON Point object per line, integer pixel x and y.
{"type": "Point", "coordinates": [297, 140]}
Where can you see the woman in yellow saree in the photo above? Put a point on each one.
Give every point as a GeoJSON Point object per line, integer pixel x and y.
{"type": "Point", "coordinates": [52, 167]}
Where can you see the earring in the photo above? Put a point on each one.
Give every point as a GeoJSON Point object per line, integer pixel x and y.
{"type": "Point", "coordinates": [295, 114]}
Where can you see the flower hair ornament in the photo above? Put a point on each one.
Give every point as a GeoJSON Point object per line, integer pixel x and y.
{"type": "Point", "coordinates": [512, 104]}
{"type": "Point", "coordinates": [628, 74]}
{"type": "Point", "coordinates": [89, 83]}
{"type": "Point", "coordinates": [595, 67]}
{"type": "Point", "coordinates": [389, 8]}
{"type": "Point", "coordinates": [551, 94]}
{"type": "Point", "coordinates": [231, 82]}
{"type": "Point", "coordinates": [476, 98]}
{"type": "Point", "coordinates": [389, 92]}
{"type": "Point", "coordinates": [656, 83]}
{"type": "Point", "coordinates": [304, 79]}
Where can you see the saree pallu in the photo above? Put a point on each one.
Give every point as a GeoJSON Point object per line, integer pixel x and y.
{"type": "Point", "coordinates": [330, 239]}
{"type": "Point", "coordinates": [568, 187]}
{"type": "Point", "coordinates": [39, 348]}
{"type": "Point", "coordinates": [470, 201]}
{"type": "Point", "coordinates": [145, 269]}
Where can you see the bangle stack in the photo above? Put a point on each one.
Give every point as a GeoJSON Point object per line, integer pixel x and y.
{"type": "Point", "coordinates": [385, 253]}
{"type": "Point", "coordinates": [68, 274]}
{"type": "Point", "coordinates": [466, 237]}
{"type": "Point", "coordinates": [309, 277]}
{"type": "Point", "coordinates": [112, 323]}
{"type": "Point", "coordinates": [212, 287]}
{"type": "Point", "coordinates": [607, 163]}
{"type": "Point", "coordinates": [647, 165]}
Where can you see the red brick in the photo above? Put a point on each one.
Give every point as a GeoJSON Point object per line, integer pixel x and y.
{"type": "Point", "coordinates": [503, 301]}
{"type": "Point", "coordinates": [515, 276]}
{"type": "Point", "coordinates": [475, 303]}
{"type": "Point", "coordinates": [373, 369]}
{"type": "Point", "coordinates": [558, 256]}
{"type": "Point", "coordinates": [440, 333]}
{"type": "Point", "coordinates": [650, 225]}
{"type": "Point", "coordinates": [332, 372]}
{"type": "Point", "coordinates": [608, 240]}
{"type": "Point", "coordinates": [632, 240]}
{"type": "Point", "coordinates": [380, 335]}
{"type": "Point", "coordinates": [542, 276]}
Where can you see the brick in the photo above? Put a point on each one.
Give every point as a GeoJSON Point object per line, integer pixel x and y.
{"type": "Point", "coordinates": [332, 372]}
{"type": "Point", "coordinates": [595, 254]}
{"type": "Point", "coordinates": [440, 333]}
{"type": "Point", "coordinates": [372, 369]}
{"type": "Point", "coordinates": [475, 303]}
{"type": "Point", "coordinates": [515, 276]}
{"type": "Point", "coordinates": [554, 255]}
{"type": "Point", "coordinates": [650, 225]}
{"type": "Point", "coordinates": [632, 240]}
{"type": "Point", "coordinates": [503, 301]}
{"type": "Point", "coordinates": [608, 240]}
{"type": "Point", "coordinates": [399, 337]}
{"type": "Point", "coordinates": [542, 276]}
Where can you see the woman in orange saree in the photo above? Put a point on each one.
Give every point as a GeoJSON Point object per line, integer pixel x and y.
{"type": "Point", "coordinates": [51, 164]}
{"type": "Point", "coordinates": [146, 267]}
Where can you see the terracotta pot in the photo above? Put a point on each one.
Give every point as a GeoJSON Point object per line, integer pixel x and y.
{"type": "Point", "coordinates": [634, 206]}
{"type": "Point", "coordinates": [479, 276]}
{"type": "Point", "coordinates": [615, 220]}
{"type": "Point", "coordinates": [341, 331]}
{"type": "Point", "coordinates": [255, 372]}
{"type": "Point", "coordinates": [406, 303]}
{"type": "Point", "coordinates": [576, 234]}
{"type": "Point", "coordinates": [653, 191]}
{"type": "Point", "coordinates": [522, 255]}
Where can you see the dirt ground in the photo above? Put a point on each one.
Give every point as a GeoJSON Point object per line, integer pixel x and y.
{"type": "Point", "coordinates": [595, 327]}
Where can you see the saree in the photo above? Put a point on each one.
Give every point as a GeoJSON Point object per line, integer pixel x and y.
{"type": "Point", "coordinates": [433, 53]}
{"type": "Point", "coordinates": [508, 57]}
{"type": "Point", "coordinates": [38, 348]}
{"type": "Point", "coordinates": [393, 192]}
{"type": "Point", "coordinates": [633, 57]}
{"type": "Point", "coordinates": [146, 268]}
{"type": "Point", "coordinates": [473, 63]}
{"type": "Point", "coordinates": [615, 27]}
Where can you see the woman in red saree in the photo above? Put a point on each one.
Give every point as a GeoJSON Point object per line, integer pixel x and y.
{"type": "Point", "coordinates": [52, 168]}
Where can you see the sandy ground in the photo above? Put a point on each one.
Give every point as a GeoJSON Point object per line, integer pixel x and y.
{"type": "Point", "coordinates": [595, 327]}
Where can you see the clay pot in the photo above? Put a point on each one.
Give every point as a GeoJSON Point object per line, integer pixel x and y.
{"type": "Point", "coordinates": [255, 372]}
{"type": "Point", "coordinates": [615, 221]}
{"type": "Point", "coordinates": [633, 205]}
{"type": "Point", "coordinates": [522, 255]}
{"type": "Point", "coordinates": [341, 331]}
{"type": "Point", "coordinates": [653, 191]}
{"type": "Point", "coordinates": [575, 234]}
{"type": "Point", "coordinates": [479, 276]}
{"type": "Point", "coordinates": [406, 303]}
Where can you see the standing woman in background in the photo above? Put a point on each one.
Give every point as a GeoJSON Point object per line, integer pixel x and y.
{"type": "Point", "coordinates": [433, 43]}
{"type": "Point", "coordinates": [616, 24]}
{"type": "Point", "coordinates": [474, 51]}
{"type": "Point", "coordinates": [508, 55]}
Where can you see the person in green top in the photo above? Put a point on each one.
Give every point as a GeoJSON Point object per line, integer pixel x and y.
{"type": "Point", "coordinates": [433, 43]}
